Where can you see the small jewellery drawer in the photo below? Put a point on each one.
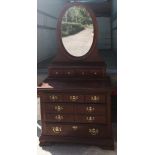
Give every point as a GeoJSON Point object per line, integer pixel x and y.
{"type": "Point", "coordinates": [91, 119]}
{"type": "Point", "coordinates": [77, 130]}
{"type": "Point", "coordinates": [91, 109]}
{"type": "Point", "coordinates": [95, 98]}
{"type": "Point", "coordinates": [59, 118]}
{"type": "Point", "coordinates": [73, 98]}
{"type": "Point", "coordinates": [59, 108]}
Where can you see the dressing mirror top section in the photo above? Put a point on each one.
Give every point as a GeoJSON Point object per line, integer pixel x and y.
{"type": "Point", "coordinates": [77, 31]}
{"type": "Point", "coordinates": [77, 34]}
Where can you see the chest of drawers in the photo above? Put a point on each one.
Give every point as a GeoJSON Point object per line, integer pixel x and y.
{"type": "Point", "coordinates": [76, 111]}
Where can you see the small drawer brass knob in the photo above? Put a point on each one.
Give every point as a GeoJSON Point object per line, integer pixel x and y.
{"type": "Point", "coordinates": [93, 131]}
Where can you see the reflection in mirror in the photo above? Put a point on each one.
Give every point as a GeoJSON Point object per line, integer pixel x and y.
{"type": "Point", "coordinates": [77, 31]}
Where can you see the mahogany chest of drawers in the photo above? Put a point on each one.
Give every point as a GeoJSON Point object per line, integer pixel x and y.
{"type": "Point", "coordinates": [76, 111]}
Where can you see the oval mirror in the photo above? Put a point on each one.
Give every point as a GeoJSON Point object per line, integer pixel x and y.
{"type": "Point", "coordinates": [77, 31]}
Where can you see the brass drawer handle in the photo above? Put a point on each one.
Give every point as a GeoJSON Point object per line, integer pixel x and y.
{"type": "Point", "coordinates": [93, 131]}
{"type": "Point", "coordinates": [56, 129]}
{"type": "Point", "coordinates": [53, 97]}
{"type": "Point", "coordinates": [90, 109]}
{"type": "Point", "coordinates": [59, 117]}
{"type": "Point", "coordinates": [90, 118]}
{"type": "Point", "coordinates": [75, 127]}
{"type": "Point", "coordinates": [58, 108]}
{"type": "Point", "coordinates": [73, 98]}
{"type": "Point", "coordinates": [95, 98]}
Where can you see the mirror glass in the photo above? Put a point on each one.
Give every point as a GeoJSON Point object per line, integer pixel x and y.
{"type": "Point", "coordinates": [77, 31]}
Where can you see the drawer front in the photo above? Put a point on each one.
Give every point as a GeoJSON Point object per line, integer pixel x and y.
{"type": "Point", "coordinates": [91, 109]}
{"type": "Point", "coordinates": [96, 98]}
{"type": "Point", "coordinates": [59, 108]}
{"type": "Point", "coordinates": [73, 98]}
{"type": "Point", "coordinates": [59, 118]}
{"type": "Point", "coordinates": [77, 130]}
{"type": "Point", "coordinates": [91, 119]}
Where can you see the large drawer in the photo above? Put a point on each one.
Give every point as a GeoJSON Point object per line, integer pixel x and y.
{"type": "Point", "coordinates": [91, 109]}
{"type": "Point", "coordinates": [77, 130]}
{"type": "Point", "coordinates": [91, 119]}
{"type": "Point", "coordinates": [59, 108]}
{"type": "Point", "coordinates": [75, 118]}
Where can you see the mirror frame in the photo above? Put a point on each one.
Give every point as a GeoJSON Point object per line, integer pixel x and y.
{"type": "Point", "coordinates": [59, 36]}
